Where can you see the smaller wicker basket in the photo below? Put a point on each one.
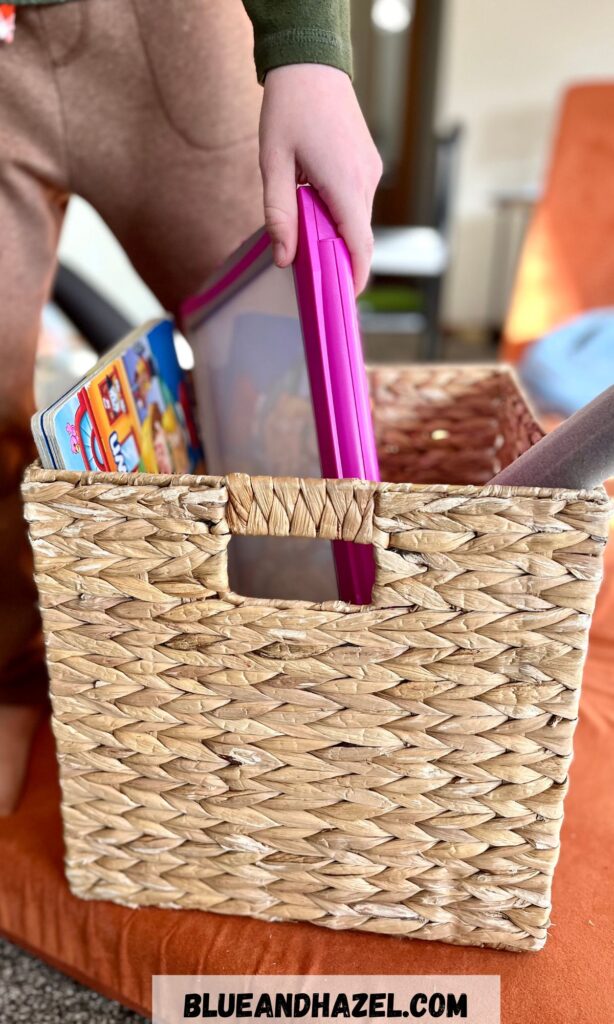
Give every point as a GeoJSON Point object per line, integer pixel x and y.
{"type": "Point", "coordinates": [397, 768]}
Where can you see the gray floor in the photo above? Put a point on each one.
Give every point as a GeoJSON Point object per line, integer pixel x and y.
{"type": "Point", "coordinates": [31, 991]}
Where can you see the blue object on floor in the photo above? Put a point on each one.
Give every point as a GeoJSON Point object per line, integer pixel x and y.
{"type": "Point", "coordinates": [572, 364]}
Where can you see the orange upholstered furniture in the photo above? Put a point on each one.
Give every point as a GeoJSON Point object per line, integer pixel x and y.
{"type": "Point", "coordinates": [567, 261]}
{"type": "Point", "coordinates": [116, 950]}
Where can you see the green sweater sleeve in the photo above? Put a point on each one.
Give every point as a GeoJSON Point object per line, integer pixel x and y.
{"type": "Point", "coordinates": [300, 32]}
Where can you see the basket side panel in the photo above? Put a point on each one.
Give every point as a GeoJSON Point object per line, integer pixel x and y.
{"type": "Point", "coordinates": [397, 769]}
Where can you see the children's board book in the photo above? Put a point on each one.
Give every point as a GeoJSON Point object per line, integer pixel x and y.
{"type": "Point", "coordinates": [132, 412]}
{"type": "Point", "coordinates": [281, 390]}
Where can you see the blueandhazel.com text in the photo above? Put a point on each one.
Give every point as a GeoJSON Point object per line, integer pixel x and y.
{"type": "Point", "coordinates": [325, 1006]}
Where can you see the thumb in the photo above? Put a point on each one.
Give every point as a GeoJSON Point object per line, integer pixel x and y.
{"type": "Point", "coordinates": [280, 209]}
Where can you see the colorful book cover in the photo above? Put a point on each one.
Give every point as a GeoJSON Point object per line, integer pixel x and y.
{"type": "Point", "coordinates": [134, 412]}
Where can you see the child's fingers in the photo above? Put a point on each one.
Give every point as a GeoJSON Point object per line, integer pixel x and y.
{"type": "Point", "coordinates": [280, 209]}
{"type": "Point", "coordinates": [353, 219]}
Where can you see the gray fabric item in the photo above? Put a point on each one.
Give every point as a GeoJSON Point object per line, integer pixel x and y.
{"type": "Point", "coordinates": [578, 454]}
{"type": "Point", "coordinates": [32, 991]}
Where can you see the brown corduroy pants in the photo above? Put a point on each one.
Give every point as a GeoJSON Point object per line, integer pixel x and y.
{"type": "Point", "coordinates": [149, 110]}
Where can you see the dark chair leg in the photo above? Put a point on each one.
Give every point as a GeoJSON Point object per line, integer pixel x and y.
{"type": "Point", "coordinates": [432, 334]}
{"type": "Point", "coordinates": [100, 323]}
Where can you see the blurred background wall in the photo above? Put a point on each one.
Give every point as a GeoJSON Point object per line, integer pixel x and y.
{"type": "Point", "coordinates": [504, 68]}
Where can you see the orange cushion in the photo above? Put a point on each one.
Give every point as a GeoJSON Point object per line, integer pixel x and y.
{"type": "Point", "coordinates": [116, 950]}
{"type": "Point", "coordinates": [567, 262]}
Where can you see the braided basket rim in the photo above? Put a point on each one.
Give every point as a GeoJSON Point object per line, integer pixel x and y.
{"type": "Point", "coordinates": [87, 479]}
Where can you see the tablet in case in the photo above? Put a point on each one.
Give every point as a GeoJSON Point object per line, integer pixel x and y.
{"type": "Point", "coordinates": [281, 390]}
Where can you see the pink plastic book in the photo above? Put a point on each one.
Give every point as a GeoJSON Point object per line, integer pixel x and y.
{"type": "Point", "coordinates": [282, 390]}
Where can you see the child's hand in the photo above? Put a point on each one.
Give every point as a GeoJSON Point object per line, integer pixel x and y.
{"type": "Point", "coordinates": [312, 129]}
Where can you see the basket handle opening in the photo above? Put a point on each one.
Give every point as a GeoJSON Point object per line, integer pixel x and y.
{"type": "Point", "coordinates": [341, 511]}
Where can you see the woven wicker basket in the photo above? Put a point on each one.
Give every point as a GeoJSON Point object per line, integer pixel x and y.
{"type": "Point", "coordinates": [397, 768]}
